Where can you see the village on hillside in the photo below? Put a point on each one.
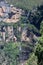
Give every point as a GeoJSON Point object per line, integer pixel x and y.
{"type": "Point", "coordinates": [8, 14]}
{"type": "Point", "coordinates": [21, 32]}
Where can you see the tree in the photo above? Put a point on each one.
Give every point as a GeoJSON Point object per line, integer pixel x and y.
{"type": "Point", "coordinates": [36, 16]}
{"type": "Point", "coordinates": [41, 28]}
{"type": "Point", "coordinates": [9, 54]}
{"type": "Point", "coordinates": [39, 51]}
{"type": "Point", "coordinates": [32, 60]}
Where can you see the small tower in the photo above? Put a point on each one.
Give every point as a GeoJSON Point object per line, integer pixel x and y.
{"type": "Point", "coordinates": [3, 33]}
{"type": "Point", "coordinates": [10, 32]}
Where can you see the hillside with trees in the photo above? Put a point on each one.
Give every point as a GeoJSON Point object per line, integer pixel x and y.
{"type": "Point", "coordinates": [21, 43]}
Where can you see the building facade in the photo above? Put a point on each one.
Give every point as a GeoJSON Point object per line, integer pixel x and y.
{"type": "Point", "coordinates": [6, 33]}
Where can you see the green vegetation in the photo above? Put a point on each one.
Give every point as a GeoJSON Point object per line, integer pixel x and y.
{"type": "Point", "coordinates": [32, 60]}
{"type": "Point", "coordinates": [25, 4]}
{"type": "Point", "coordinates": [37, 57]}
{"type": "Point", "coordinates": [9, 53]}
{"type": "Point", "coordinates": [39, 51]}
{"type": "Point", "coordinates": [41, 28]}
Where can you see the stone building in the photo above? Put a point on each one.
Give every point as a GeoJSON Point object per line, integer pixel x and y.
{"type": "Point", "coordinates": [6, 33]}
{"type": "Point", "coordinates": [9, 13]}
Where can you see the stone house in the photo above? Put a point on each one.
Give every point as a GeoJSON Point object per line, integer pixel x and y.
{"type": "Point", "coordinates": [7, 33]}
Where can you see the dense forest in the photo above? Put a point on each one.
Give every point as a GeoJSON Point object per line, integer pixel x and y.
{"type": "Point", "coordinates": [27, 46]}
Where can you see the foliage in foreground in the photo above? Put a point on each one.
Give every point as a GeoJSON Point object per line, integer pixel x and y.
{"type": "Point", "coordinates": [9, 54]}
{"type": "Point", "coordinates": [32, 60]}
{"type": "Point", "coordinates": [39, 51]}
